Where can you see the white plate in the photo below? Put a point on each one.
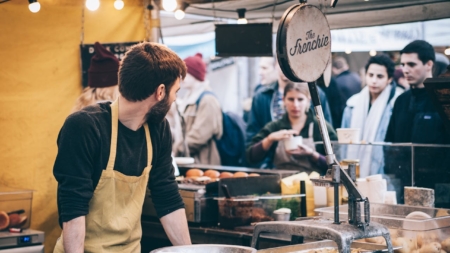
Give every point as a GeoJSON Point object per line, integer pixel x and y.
{"type": "Point", "coordinates": [184, 160]}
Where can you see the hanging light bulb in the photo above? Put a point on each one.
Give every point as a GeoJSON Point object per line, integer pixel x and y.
{"type": "Point", "coordinates": [372, 52]}
{"type": "Point", "coordinates": [118, 4]}
{"type": "Point", "coordinates": [170, 5]}
{"type": "Point", "coordinates": [241, 16]}
{"type": "Point", "coordinates": [34, 6]}
{"type": "Point", "coordinates": [447, 51]}
{"type": "Point", "coordinates": [92, 5]}
{"type": "Point", "coordinates": [180, 13]}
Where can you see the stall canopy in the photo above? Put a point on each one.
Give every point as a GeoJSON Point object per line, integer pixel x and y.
{"type": "Point", "coordinates": [201, 15]}
{"type": "Point", "coordinates": [378, 38]}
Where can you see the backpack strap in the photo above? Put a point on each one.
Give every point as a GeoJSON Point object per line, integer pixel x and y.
{"type": "Point", "coordinates": [206, 92]}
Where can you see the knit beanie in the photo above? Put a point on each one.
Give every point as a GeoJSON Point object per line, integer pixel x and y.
{"type": "Point", "coordinates": [103, 69]}
{"type": "Point", "coordinates": [398, 73]}
{"type": "Point", "coordinates": [196, 67]}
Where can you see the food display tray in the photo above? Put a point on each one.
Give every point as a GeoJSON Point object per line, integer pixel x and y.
{"type": "Point", "coordinates": [327, 246]}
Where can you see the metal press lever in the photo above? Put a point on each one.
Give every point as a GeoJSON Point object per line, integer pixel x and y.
{"type": "Point", "coordinates": [331, 159]}
{"type": "Point", "coordinates": [336, 175]}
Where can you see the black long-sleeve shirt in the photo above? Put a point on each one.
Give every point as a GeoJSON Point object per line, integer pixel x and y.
{"type": "Point", "coordinates": [415, 119]}
{"type": "Point", "coordinates": [83, 153]}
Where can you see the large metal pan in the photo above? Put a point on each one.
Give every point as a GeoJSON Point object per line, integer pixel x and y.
{"type": "Point", "coordinates": [206, 248]}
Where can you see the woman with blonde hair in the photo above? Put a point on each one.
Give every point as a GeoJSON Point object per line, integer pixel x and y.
{"type": "Point", "coordinates": [102, 79]}
{"type": "Point", "coordinates": [298, 120]}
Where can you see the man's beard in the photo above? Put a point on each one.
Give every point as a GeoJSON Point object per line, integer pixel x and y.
{"type": "Point", "coordinates": [159, 111]}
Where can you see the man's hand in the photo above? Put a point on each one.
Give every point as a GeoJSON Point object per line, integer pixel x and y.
{"type": "Point", "coordinates": [176, 227]}
{"type": "Point", "coordinates": [73, 235]}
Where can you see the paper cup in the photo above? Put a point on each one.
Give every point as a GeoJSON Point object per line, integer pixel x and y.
{"type": "Point", "coordinates": [348, 135]}
{"type": "Point", "coordinates": [363, 186]}
{"type": "Point", "coordinates": [293, 142]}
{"type": "Point", "coordinates": [320, 196]}
{"type": "Point", "coordinates": [377, 191]}
{"type": "Point", "coordinates": [391, 198]}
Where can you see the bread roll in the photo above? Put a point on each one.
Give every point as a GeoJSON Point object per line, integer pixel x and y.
{"type": "Point", "coordinates": [4, 220]}
{"type": "Point", "coordinates": [446, 245]}
{"type": "Point", "coordinates": [420, 240]}
{"type": "Point", "coordinates": [23, 220]}
{"type": "Point", "coordinates": [407, 244]}
{"type": "Point", "coordinates": [253, 175]}
{"type": "Point", "coordinates": [377, 240]}
{"type": "Point", "coordinates": [212, 173]}
{"type": "Point", "coordinates": [240, 174]}
{"type": "Point", "coordinates": [194, 173]}
{"type": "Point", "coordinates": [226, 175]}
{"type": "Point", "coordinates": [433, 247]}
{"type": "Point", "coordinates": [14, 220]}
{"type": "Point", "coordinates": [203, 179]}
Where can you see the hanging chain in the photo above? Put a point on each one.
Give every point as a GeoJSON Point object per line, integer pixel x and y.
{"type": "Point", "coordinates": [273, 10]}
{"type": "Point", "coordinates": [214, 11]}
{"type": "Point", "coordinates": [147, 25]}
{"type": "Point", "coordinates": [323, 6]}
{"type": "Point", "coordinates": [82, 26]}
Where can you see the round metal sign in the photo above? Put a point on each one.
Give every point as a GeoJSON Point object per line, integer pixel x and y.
{"type": "Point", "coordinates": [303, 43]}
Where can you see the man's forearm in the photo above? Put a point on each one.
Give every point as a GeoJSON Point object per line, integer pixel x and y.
{"type": "Point", "coordinates": [73, 235]}
{"type": "Point", "coordinates": [176, 227]}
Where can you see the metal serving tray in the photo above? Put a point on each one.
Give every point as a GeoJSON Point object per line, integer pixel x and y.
{"type": "Point", "coordinates": [326, 244]}
{"type": "Point", "coordinates": [394, 216]}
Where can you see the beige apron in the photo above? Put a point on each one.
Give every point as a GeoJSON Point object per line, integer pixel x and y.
{"type": "Point", "coordinates": [284, 161]}
{"type": "Point", "coordinates": [114, 220]}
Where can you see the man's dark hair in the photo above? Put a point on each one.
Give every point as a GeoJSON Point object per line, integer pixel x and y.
{"type": "Point", "coordinates": [382, 60]}
{"type": "Point", "coordinates": [146, 66]}
{"type": "Point", "coordinates": [339, 62]}
{"type": "Point", "coordinates": [423, 49]}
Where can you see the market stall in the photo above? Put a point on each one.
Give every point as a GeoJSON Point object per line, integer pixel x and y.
{"type": "Point", "coordinates": [362, 225]}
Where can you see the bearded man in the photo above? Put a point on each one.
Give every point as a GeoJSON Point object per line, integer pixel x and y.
{"type": "Point", "coordinates": [106, 152]}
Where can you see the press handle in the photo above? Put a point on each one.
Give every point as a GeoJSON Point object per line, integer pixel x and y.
{"type": "Point", "coordinates": [366, 211]}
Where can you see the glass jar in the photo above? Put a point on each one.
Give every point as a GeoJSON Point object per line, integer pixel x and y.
{"type": "Point", "coordinates": [345, 162]}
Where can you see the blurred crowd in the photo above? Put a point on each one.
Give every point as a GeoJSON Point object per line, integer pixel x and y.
{"type": "Point", "coordinates": [388, 103]}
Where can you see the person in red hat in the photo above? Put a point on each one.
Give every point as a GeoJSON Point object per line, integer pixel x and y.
{"type": "Point", "coordinates": [201, 113]}
{"type": "Point", "coordinates": [102, 79]}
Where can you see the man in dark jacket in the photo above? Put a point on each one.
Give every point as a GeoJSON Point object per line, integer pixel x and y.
{"type": "Point", "coordinates": [348, 82]}
{"type": "Point", "coordinates": [267, 106]}
{"type": "Point", "coordinates": [414, 117]}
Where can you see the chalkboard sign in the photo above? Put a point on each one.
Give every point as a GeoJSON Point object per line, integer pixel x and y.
{"type": "Point", "coordinates": [87, 51]}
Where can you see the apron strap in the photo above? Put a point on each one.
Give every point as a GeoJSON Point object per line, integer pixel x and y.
{"type": "Point", "coordinates": [114, 131]}
{"type": "Point", "coordinates": [149, 146]}
{"type": "Point", "coordinates": [311, 130]}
